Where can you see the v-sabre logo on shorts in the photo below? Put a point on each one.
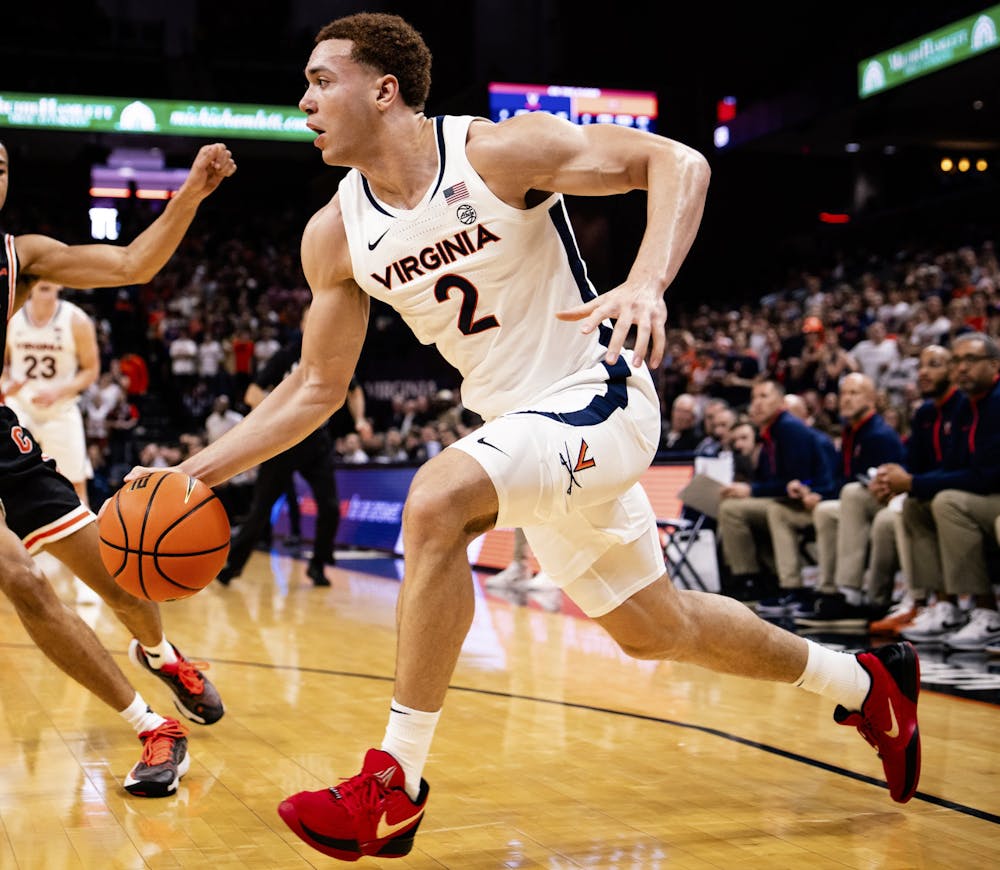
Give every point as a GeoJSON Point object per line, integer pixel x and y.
{"type": "Point", "coordinates": [583, 462]}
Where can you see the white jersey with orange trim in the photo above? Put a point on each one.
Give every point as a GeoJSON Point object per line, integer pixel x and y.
{"type": "Point", "coordinates": [43, 356]}
{"type": "Point", "coordinates": [482, 281]}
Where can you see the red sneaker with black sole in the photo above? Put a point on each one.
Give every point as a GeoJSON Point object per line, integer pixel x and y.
{"type": "Point", "coordinates": [368, 814]}
{"type": "Point", "coordinates": [888, 717]}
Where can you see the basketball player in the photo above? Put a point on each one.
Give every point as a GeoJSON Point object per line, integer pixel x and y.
{"type": "Point", "coordinates": [51, 357]}
{"type": "Point", "coordinates": [459, 224]}
{"type": "Point", "coordinates": [39, 508]}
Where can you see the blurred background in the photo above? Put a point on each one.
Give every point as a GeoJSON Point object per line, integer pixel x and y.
{"type": "Point", "coordinates": [781, 78]}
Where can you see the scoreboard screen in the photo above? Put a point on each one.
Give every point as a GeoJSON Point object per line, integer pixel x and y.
{"type": "Point", "coordinates": [580, 105]}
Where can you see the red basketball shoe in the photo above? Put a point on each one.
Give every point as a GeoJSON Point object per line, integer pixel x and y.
{"type": "Point", "coordinates": [368, 814]}
{"type": "Point", "coordinates": [888, 717]}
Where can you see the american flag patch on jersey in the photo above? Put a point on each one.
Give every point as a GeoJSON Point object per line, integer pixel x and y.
{"type": "Point", "coordinates": [456, 192]}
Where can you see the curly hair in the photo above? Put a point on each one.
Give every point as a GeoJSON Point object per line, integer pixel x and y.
{"type": "Point", "coordinates": [390, 45]}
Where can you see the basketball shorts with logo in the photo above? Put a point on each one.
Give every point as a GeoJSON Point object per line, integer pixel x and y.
{"type": "Point", "coordinates": [567, 473]}
{"type": "Point", "coordinates": [39, 505]}
{"type": "Point", "coordinates": [61, 436]}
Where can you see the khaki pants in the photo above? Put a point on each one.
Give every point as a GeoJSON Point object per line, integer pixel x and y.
{"type": "Point", "coordinates": [883, 557]}
{"type": "Point", "coordinates": [746, 544]}
{"type": "Point", "coordinates": [904, 552]}
{"type": "Point", "coordinates": [947, 538]}
{"type": "Point", "coordinates": [856, 539]}
{"type": "Point", "coordinates": [786, 523]}
{"type": "Point", "coordinates": [827, 520]}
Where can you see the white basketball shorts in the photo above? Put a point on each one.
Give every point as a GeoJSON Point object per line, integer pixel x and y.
{"type": "Point", "coordinates": [567, 473]}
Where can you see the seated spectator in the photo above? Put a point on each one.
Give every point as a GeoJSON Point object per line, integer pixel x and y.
{"type": "Point", "coordinates": [392, 448]}
{"type": "Point", "coordinates": [155, 455]}
{"type": "Point", "coordinates": [789, 451]}
{"type": "Point", "coordinates": [834, 363]}
{"type": "Point", "coordinates": [684, 433]}
{"type": "Point", "coordinates": [926, 446]}
{"type": "Point", "coordinates": [414, 446]}
{"type": "Point", "coordinates": [933, 325]}
{"type": "Point", "coordinates": [951, 513]}
{"type": "Point", "coordinates": [843, 523]}
{"type": "Point", "coordinates": [431, 440]}
{"type": "Point", "coordinates": [719, 421]}
{"type": "Point", "coordinates": [351, 451]}
{"type": "Point", "coordinates": [796, 406]}
{"type": "Point", "coordinates": [742, 441]}
{"type": "Point", "coordinates": [221, 420]}
{"type": "Point", "coordinates": [877, 354]}
{"type": "Point", "coordinates": [732, 370]}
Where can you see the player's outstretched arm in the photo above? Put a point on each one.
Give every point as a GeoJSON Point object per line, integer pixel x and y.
{"type": "Point", "coordinates": [88, 266]}
{"type": "Point", "coordinates": [543, 153]}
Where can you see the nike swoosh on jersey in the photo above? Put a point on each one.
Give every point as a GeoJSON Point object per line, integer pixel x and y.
{"type": "Point", "coordinates": [487, 443]}
{"type": "Point", "coordinates": [384, 829]}
{"type": "Point", "coordinates": [893, 732]}
{"type": "Point", "coordinates": [373, 245]}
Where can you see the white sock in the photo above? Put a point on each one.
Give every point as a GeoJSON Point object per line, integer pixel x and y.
{"type": "Point", "coordinates": [161, 654]}
{"type": "Point", "coordinates": [140, 717]}
{"type": "Point", "coordinates": [835, 675]}
{"type": "Point", "coordinates": [408, 739]}
{"type": "Point", "coordinates": [851, 596]}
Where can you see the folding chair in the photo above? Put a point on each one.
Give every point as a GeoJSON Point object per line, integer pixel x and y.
{"type": "Point", "coordinates": [681, 538]}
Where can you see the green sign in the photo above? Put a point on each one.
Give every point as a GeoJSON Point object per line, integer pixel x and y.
{"type": "Point", "coordinates": [169, 118]}
{"type": "Point", "coordinates": [949, 45]}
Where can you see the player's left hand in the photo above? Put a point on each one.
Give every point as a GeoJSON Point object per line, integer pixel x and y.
{"type": "Point", "coordinates": [213, 163]}
{"type": "Point", "coordinates": [629, 305]}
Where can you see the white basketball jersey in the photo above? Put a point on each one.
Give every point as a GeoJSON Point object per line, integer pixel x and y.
{"type": "Point", "coordinates": [43, 356]}
{"type": "Point", "coordinates": [481, 280]}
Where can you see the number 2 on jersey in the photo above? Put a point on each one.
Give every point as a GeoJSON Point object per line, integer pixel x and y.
{"type": "Point", "coordinates": [467, 323]}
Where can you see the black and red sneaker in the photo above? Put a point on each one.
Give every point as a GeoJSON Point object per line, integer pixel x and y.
{"type": "Point", "coordinates": [888, 717]}
{"type": "Point", "coordinates": [164, 761]}
{"type": "Point", "coordinates": [368, 814]}
{"type": "Point", "coordinates": [194, 695]}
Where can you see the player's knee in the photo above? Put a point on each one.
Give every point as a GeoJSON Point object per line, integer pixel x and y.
{"type": "Point", "coordinates": [430, 507]}
{"type": "Point", "coordinates": [659, 639]}
{"type": "Point", "coordinates": [21, 582]}
{"type": "Point", "coordinates": [657, 645]}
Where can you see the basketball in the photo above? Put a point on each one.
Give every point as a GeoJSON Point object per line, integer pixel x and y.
{"type": "Point", "coordinates": [164, 536]}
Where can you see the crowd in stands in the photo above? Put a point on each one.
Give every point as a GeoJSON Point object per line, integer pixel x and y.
{"type": "Point", "coordinates": [876, 413]}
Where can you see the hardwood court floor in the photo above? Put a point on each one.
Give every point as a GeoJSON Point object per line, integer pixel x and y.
{"type": "Point", "coordinates": [554, 750]}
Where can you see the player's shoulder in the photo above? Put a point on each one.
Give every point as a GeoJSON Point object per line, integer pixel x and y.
{"type": "Point", "coordinates": [73, 310]}
{"type": "Point", "coordinates": [328, 218]}
{"type": "Point", "coordinates": [519, 131]}
{"type": "Point", "coordinates": [324, 242]}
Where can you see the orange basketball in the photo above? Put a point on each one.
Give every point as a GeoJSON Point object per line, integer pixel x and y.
{"type": "Point", "coordinates": [164, 536]}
